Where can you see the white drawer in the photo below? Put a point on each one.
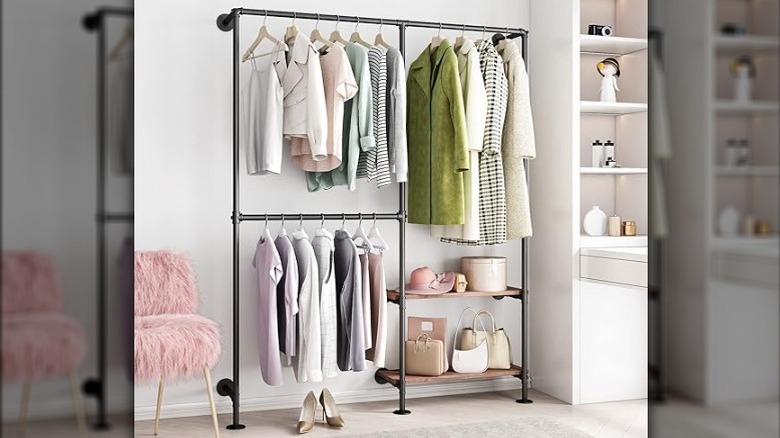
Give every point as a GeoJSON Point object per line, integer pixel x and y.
{"type": "Point", "coordinates": [614, 270]}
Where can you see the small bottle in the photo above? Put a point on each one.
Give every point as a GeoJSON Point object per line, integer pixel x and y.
{"type": "Point", "coordinates": [597, 150]}
{"type": "Point", "coordinates": [731, 154]}
{"type": "Point", "coordinates": [613, 225]}
{"type": "Point", "coordinates": [609, 153]}
{"type": "Point", "coordinates": [748, 225]}
{"type": "Point", "coordinates": [629, 228]}
{"type": "Point", "coordinates": [743, 153]}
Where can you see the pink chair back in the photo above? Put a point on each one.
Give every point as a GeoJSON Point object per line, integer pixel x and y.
{"type": "Point", "coordinates": [164, 283]}
{"type": "Point", "coordinates": [30, 283]}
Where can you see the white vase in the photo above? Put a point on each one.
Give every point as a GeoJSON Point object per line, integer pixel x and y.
{"type": "Point", "coordinates": [595, 222]}
{"type": "Point", "coordinates": [728, 221]}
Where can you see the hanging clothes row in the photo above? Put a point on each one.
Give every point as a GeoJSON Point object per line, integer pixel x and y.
{"type": "Point", "coordinates": [470, 127]}
{"type": "Point", "coordinates": [341, 107]}
{"type": "Point", "coordinates": [322, 302]}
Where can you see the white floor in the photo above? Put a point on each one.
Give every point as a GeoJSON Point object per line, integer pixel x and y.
{"type": "Point", "coordinates": [620, 419]}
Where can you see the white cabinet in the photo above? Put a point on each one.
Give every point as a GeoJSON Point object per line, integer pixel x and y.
{"type": "Point", "coordinates": [613, 342]}
{"type": "Point", "coordinates": [613, 324]}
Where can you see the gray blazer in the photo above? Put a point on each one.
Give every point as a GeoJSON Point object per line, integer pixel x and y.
{"type": "Point", "coordinates": [351, 335]}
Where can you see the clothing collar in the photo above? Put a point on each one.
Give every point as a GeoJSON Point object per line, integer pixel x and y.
{"type": "Point", "coordinates": [322, 232]}
{"type": "Point", "coordinates": [511, 52]}
{"type": "Point", "coordinates": [300, 49]}
{"type": "Point", "coordinates": [300, 234]}
{"type": "Point", "coordinates": [468, 44]}
{"type": "Point", "coordinates": [421, 68]}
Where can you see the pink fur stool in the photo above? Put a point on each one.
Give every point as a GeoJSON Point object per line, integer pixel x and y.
{"type": "Point", "coordinates": [171, 341]}
{"type": "Point", "coordinates": [39, 341]}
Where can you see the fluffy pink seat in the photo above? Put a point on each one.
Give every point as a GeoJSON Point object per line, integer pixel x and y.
{"type": "Point", "coordinates": [174, 346]}
{"type": "Point", "coordinates": [171, 341]}
{"type": "Point", "coordinates": [38, 340]}
{"type": "Point", "coordinates": [41, 345]}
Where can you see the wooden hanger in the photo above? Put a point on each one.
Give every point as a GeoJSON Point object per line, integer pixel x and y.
{"type": "Point", "coordinates": [263, 34]}
{"type": "Point", "coordinates": [127, 38]}
{"type": "Point", "coordinates": [292, 31]}
{"type": "Point", "coordinates": [436, 41]}
{"type": "Point", "coordinates": [316, 35]}
{"type": "Point", "coordinates": [336, 35]}
{"type": "Point", "coordinates": [356, 38]}
{"type": "Point", "coordinates": [461, 40]}
{"type": "Point", "coordinates": [380, 40]}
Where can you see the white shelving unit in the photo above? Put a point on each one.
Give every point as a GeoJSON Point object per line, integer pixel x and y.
{"type": "Point", "coordinates": [613, 45]}
{"type": "Point", "coordinates": [748, 171]}
{"type": "Point", "coordinates": [611, 108]}
{"type": "Point", "coordinates": [613, 170]}
{"type": "Point", "coordinates": [599, 325]}
{"type": "Point", "coordinates": [745, 44]}
{"type": "Point", "coordinates": [709, 364]}
{"type": "Point", "coordinates": [747, 108]}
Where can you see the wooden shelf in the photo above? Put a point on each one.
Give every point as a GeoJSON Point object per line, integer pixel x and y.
{"type": "Point", "coordinates": [613, 45]}
{"type": "Point", "coordinates": [393, 295]}
{"type": "Point", "coordinates": [393, 376]}
{"type": "Point", "coordinates": [612, 170]}
{"type": "Point", "coordinates": [752, 107]}
{"type": "Point", "coordinates": [745, 44]}
{"type": "Point", "coordinates": [736, 241]}
{"type": "Point", "coordinates": [748, 171]}
{"type": "Point", "coordinates": [611, 108]}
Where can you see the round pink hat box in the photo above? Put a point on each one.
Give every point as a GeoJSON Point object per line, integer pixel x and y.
{"type": "Point", "coordinates": [484, 274]}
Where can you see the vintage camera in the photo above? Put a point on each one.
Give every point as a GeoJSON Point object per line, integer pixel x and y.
{"type": "Point", "coordinates": [599, 29]}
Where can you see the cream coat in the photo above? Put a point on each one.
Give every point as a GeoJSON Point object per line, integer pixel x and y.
{"type": "Point", "coordinates": [517, 143]}
{"type": "Point", "coordinates": [305, 112]}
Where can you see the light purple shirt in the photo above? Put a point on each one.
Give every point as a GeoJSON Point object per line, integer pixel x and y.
{"type": "Point", "coordinates": [268, 267]}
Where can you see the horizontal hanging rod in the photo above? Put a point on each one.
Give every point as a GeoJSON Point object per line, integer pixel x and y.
{"type": "Point", "coordinates": [225, 21]}
{"type": "Point", "coordinates": [319, 217]}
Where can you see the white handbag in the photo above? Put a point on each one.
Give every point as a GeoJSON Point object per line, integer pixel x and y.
{"type": "Point", "coordinates": [470, 361]}
{"type": "Point", "coordinates": [499, 352]}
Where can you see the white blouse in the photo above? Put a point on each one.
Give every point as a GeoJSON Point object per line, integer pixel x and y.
{"type": "Point", "coordinates": [305, 112]}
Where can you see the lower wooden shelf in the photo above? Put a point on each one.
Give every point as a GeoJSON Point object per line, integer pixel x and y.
{"type": "Point", "coordinates": [393, 376]}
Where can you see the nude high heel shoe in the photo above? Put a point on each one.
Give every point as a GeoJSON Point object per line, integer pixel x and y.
{"type": "Point", "coordinates": [306, 420]}
{"type": "Point", "coordinates": [330, 411]}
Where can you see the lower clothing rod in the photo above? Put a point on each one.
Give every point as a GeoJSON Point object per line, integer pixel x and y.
{"type": "Point", "coordinates": [319, 217]}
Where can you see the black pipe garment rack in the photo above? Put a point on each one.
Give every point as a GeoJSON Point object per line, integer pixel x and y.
{"type": "Point", "coordinates": [230, 22]}
{"type": "Point", "coordinates": [96, 386]}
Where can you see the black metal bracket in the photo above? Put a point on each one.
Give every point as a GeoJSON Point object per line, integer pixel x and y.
{"type": "Point", "coordinates": [402, 412]}
{"type": "Point", "coordinates": [227, 388]}
{"type": "Point", "coordinates": [92, 22]}
{"type": "Point", "coordinates": [378, 379]}
{"type": "Point", "coordinates": [225, 22]}
{"type": "Point", "coordinates": [93, 387]}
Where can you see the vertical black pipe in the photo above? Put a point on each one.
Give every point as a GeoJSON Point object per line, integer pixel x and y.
{"type": "Point", "coordinates": [101, 225]}
{"type": "Point", "coordinates": [236, 228]}
{"type": "Point", "coordinates": [402, 269]}
{"type": "Point", "coordinates": [525, 278]}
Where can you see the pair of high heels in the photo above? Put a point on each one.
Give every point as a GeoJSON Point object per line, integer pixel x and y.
{"type": "Point", "coordinates": [330, 412]}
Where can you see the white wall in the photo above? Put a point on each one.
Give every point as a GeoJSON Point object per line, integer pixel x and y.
{"type": "Point", "coordinates": [48, 171]}
{"type": "Point", "coordinates": [183, 187]}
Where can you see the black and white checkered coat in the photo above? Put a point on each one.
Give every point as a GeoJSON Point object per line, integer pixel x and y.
{"type": "Point", "coordinates": [492, 192]}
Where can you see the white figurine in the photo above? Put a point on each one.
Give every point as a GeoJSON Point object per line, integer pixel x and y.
{"type": "Point", "coordinates": [610, 70]}
{"type": "Point", "coordinates": [743, 71]}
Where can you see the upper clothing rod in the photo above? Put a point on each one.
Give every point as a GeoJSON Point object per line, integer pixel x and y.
{"type": "Point", "coordinates": [225, 21]}
{"type": "Point", "coordinates": [319, 216]}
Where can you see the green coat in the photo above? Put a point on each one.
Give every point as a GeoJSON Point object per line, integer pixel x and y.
{"type": "Point", "coordinates": [437, 140]}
